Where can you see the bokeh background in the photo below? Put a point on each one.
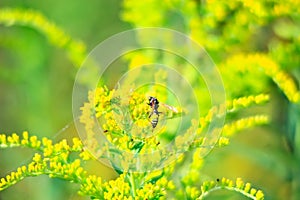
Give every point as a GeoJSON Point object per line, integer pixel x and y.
{"type": "Point", "coordinates": [36, 81]}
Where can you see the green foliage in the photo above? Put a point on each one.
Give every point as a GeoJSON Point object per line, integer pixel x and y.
{"type": "Point", "coordinates": [76, 50]}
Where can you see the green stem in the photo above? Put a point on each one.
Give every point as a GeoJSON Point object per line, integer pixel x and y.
{"type": "Point", "coordinates": [132, 183]}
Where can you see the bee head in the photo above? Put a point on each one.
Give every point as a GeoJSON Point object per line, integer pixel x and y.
{"type": "Point", "coordinates": [152, 100]}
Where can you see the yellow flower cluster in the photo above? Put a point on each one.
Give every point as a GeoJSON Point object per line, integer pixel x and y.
{"type": "Point", "coordinates": [244, 123]}
{"type": "Point", "coordinates": [91, 186]}
{"type": "Point", "coordinates": [192, 192]}
{"type": "Point", "coordinates": [205, 121]}
{"type": "Point", "coordinates": [137, 60]}
{"type": "Point", "coordinates": [286, 8]}
{"type": "Point", "coordinates": [193, 176]}
{"type": "Point", "coordinates": [124, 117]}
{"type": "Point", "coordinates": [85, 118]}
{"type": "Point", "coordinates": [237, 186]}
{"type": "Point", "coordinates": [101, 99]}
{"type": "Point", "coordinates": [15, 141]}
{"type": "Point", "coordinates": [246, 101]}
{"type": "Point", "coordinates": [226, 24]}
{"type": "Point", "coordinates": [233, 106]}
{"type": "Point", "coordinates": [52, 160]}
{"type": "Point", "coordinates": [13, 177]}
{"type": "Point", "coordinates": [155, 190]}
{"type": "Point", "coordinates": [201, 25]}
{"type": "Point", "coordinates": [124, 188]}
{"type": "Point", "coordinates": [140, 12]}
{"type": "Point", "coordinates": [222, 141]}
{"type": "Point", "coordinates": [57, 37]}
{"type": "Point", "coordinates": [99, 105]}
{"type": "Point", "coordinates": [243, 62]}
{"type": "Point", "coordinates": [138, 106]}
{"type": "Point", "coordinates": [116, 189]}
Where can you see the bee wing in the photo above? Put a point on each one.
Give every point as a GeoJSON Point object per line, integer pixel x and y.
{"type": "Point", "coordinates": [170, 112]}
{"type": "Point", "coordinates": [173, 109]}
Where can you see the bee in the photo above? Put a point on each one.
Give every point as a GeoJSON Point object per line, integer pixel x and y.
{"type": "Point", "coordinates": [154, 104]}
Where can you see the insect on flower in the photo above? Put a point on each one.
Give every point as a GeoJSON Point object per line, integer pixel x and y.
{"type": "Point", "coordinates": [154, 104]}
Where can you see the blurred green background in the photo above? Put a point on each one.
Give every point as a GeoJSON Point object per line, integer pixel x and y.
{"type": "Point", "coordinates": [36, 81]}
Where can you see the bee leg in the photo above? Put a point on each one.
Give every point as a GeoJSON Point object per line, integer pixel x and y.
{"type": "Point", "coordinates": [150, 114]}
